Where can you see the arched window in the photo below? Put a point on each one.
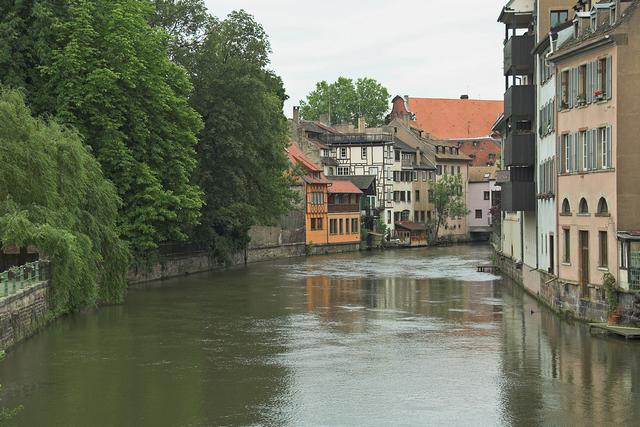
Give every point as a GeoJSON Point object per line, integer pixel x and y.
{"type": "Point", "coordinates": [603, 208]}
{"type": "Point", "coordinates": [566, 207]}
{"type": "Point", "coordinates": [584, 207]}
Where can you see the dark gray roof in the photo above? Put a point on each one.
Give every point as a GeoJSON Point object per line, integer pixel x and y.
{"type": "Point", "coordinates": [399, 144]}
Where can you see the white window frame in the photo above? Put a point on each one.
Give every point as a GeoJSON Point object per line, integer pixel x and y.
{"type": "Point", "coordinates": [342, 169]}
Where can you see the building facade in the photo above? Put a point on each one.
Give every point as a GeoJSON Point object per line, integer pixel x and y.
{"type": "Point", "coordinates": [598, 193]}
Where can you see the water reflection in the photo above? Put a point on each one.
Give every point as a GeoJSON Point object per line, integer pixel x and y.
{"type": "Point", "coordinates": [396, 338]}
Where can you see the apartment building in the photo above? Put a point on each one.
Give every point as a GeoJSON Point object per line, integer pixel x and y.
{"type": "Point", "coordinates": [598, 92]}
{"type": "Point", "coordinates": [484, 195]}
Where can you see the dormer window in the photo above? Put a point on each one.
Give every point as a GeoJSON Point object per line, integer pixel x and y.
{"type": "Point", "coordinates": [613, 15]}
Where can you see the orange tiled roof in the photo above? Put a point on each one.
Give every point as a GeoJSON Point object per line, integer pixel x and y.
{"type": "Point", "coordinates": [455, 118]}
{"type": "Point", "coordinates": [297, 156]}
{"type": "Point", "coordinates": [343, 187]}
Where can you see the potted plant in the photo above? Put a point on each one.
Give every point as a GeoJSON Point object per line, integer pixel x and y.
{"type": "Point", "coordinates": [581, 100]}
{"type": "Point", "coordinates": [598, 95]}
{"type": "Point", "coordinates": [609, 284]}
{"type": "Point", "coordinates": [564, 105]}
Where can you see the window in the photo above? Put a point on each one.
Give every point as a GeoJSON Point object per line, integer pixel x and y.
{"type": "Point", "coordinates": [364, 153]}
{"type": "Point", "coordinates": [333, 226]}
{"type": "Point", "coordinates": [373, 171]}
{"type": "Point", "coordinates": [604, 147]}
{"type": "Point", "coordinates": [316, 224]}
{"type": "Point", "coordinates": [340, 226]}
{"type": "Point", "coordinates": [346, 225]}
{"type": "Point", "coordinates": [430, 193]}
{"type": "Point", "coordinates": [604, 87]}
{"type": "Point", "coordinates": [421, 216]}
{"type": "Point", "coordinates": [397, 156]}
{"type": "Point", "coordinates": [603, 207]}
{"type": "Point", "coordinates": [613, 14]}
{"type": "Point", "coordinates": [439, 170]}
{"type": "Point", "coordinates": [458, 170]}
{"type": "Point", "coordinates": [388, 217]}
{"type": "Point", "coordinates": [478, 213]}
{"type": "Point", "coordinates": [583, 208]}
{"type": "Point", "coordinates": [603, 258]}
{"type": "Point", "coordinates": [354, 225]}
{"type": "Point", "coordinates": [452, 170]}
{"type": "Point", "coordinates": [558, 17]}
{"type": "Point", "coordinates": [343, 152]}
{"type": "Point", "coordinates": [566, 257]}
{"type": "Point", "coordinates": [417, 195]}
{"type": "Point", "coordinates": [584, 149]}
{"type": "Point", "coordinates": [317, 198]}
{"type": "Point", "coordinates": [343, 170]}
{"type": "Point", "coordinates": [408, 196]}
{"type": "Point", "coordinates": [564, 90]}
{"type": "Point", "coordinates": [330, 171]}
{"type": "Point", "coordinates": [566, 207]}
{"type": "Point", "coordinates": [582, 84]}
{"type": "Point", "coordinates": [566, 152]}
{"type": "Point", "coordinates": [487, 195]}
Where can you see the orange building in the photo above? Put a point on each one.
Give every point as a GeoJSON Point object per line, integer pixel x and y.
{"type": "Point", "coordinates": [316, 197]}
{"type": "Point", "coordinates": [344, 212]}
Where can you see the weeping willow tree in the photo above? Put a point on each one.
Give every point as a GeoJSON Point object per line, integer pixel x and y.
{"type": "Point", "coordinates": [54, 196]}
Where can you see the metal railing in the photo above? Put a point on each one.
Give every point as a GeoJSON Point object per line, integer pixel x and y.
{"type": "Point", "coordinates": [18, 278]}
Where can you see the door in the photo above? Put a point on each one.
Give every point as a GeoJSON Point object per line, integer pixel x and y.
{"type": "Point", "coordinates": [551, 253]}
{"type": "Point", "coordinates": [584, 262]}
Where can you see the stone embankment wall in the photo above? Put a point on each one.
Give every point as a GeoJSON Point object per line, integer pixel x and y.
{"type": "Point", "coordinates": [267, 243]}
{"type": "Point", "coordinates": [566, 298]}
{"type": "Point", "coordinates": [23, 313]}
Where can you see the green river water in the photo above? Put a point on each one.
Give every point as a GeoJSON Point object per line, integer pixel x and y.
{"type": "Point", "coordinates": [407, 337]}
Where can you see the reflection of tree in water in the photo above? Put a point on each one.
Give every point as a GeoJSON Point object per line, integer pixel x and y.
{"type": "Point", "coordinates": [555, 373]}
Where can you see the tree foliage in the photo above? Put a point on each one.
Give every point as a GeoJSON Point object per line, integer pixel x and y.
{"type": "Point", "coordinates": [242, 160]}
{"type": "Point", "coordinates": [187, 23]}
{"type": "Point", "coordinates": [345, 100]}
{"type": "Point", "coordinates": [448, 201]}
{"type": "Point", "coordinates": [99, 66]}
{"type": "Point", "coordinates": [54, 196]}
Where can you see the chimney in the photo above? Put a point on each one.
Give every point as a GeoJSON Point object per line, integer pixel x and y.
{"type": "Point", "coordinates": [361, 124]}
{"type": "Point", "coordinates": [464, 96]}
{"type": "Point", "coordinates": [324, 118]}
{"type": "Point", "coordinates": [296, 115]}
{"type": "Point", "coordinates": [418, 156]}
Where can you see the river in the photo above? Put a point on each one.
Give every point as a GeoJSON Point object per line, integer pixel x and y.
{"type": "Point", "coordinates": [407, 337]}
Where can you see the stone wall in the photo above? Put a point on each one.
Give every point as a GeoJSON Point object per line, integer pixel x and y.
{"type": "Point", "coordinates": [199, 262]}
{"type": "Point", "coordinates": [23, 313]}
{"type": "Point", "coordinates": [334, 248]}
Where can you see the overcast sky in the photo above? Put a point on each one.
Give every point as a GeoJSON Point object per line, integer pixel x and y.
{"type": "Point", "coordinates": [421, 48]}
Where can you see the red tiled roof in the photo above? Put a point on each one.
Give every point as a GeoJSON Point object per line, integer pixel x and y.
{"type": "Point", "coordinates": [455, 118]}
{"type": "Point", "coordinates": [343, 187]}
{"type": "Point", "coordinates": [297, 156]}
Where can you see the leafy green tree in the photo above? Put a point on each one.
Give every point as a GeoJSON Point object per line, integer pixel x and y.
{"type": "Point", "coordinates": [99, 66]}
{"type": "Point", "coordinates": [345, 100]}
{"type": "Point", "coordinates": [54, 196]}
{"type": "Point", "coordinates": [187, 23]}
{"type": "Point", "coordinates": [448, 201]}
{"type": "Point", "coordinates": [242, 162]}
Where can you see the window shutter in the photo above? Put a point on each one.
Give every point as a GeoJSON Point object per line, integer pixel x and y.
{"type": "Point", "coordinates": [594, 148]}
{"type": "Point", "coordinates": [609, 88]}
{"type": "Point", "coordinates": [559, 88]}
{"type": "Point", "coordinates": [589, 84]}
{"type": "Point", "coordinates": [570, 91]}
{"type": "Point", "coordinates": [569, 152]}
{"type": "Point", "coordinates": [559, 146]}
{"type": "Point", "coordinates": [595, 81]}
{"type": "Point", "coordinates": [553, 115]}
{"type": "Point", "coordinates": [609, 144]}
{"type": "Point", "coordinates": [576, 151]}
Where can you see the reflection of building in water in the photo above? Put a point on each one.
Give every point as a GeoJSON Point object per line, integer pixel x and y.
{"type": "Point", "coordinates": [346, 300]}
{"type": "Point", "coordinates": [338, 299]}
{"type": "Point", "coordinates": [560, 370]}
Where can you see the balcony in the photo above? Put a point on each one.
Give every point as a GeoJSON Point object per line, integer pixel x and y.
{"type": "Point", "coordinates": [519, 102]}
{"type": "Point", "coordinates": [520, 149]}
{"type": "Point", "coordinates": [518, 196]}
{"type": "Point", "coordinates": [518, 59]}
{"type": "Point", "coordinates": [341, 208]}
